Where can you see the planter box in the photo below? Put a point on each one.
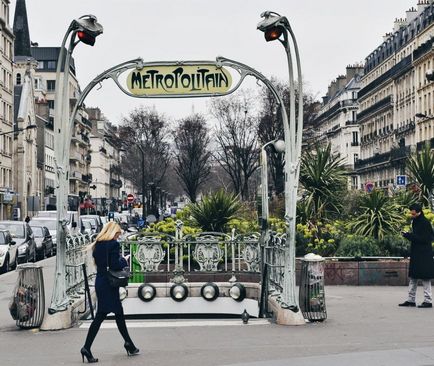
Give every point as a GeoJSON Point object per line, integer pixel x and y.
{"type": "Point", "coordinates": [364, 273]}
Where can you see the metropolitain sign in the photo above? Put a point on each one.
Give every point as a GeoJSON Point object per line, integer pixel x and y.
{"type": "Point", "coordinates": [165, 80]}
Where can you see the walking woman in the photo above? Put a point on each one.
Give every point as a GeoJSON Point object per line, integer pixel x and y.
{"type": "Point", "coordinates": [107, 248]}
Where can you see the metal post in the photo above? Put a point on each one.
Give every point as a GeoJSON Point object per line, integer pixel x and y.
{"type": "Point", "coordinates": [63, 126]}
{"type": "Point", "coordinates": [143, 183]}
{"type": "Point", "coordinates": [59, 299]}
{"type": "Point", "coordinates": [274, 26]}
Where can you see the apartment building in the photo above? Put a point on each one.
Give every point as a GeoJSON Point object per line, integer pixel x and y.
{"type": "Point", "coordinates": [336, 121]}
{"type": "Point", "coordinates": [393, 94]}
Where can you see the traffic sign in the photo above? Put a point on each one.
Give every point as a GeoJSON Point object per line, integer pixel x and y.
{"type": "Point", "coordinates": [130, 198]}
{"type": "Point", "coordinates": [401, 180]}
{"type": "Point", "coordinates": [369, 187]}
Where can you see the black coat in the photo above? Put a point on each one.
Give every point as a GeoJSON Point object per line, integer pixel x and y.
{"type": "Point", "coordinates": [421, 252]}
{"type": "Point", "coordinates": [107, 296]}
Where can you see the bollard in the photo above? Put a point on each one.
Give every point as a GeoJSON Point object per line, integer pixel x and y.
{"type": "Point", "coordinates": [311, 295]}
{"type": "Point", "coordinates": [27, 305]}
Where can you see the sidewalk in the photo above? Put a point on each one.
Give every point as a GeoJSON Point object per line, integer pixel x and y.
{"type": "Point", "coordinates": [364, 327]}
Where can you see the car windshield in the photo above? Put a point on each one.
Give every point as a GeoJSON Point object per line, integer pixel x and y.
{"type": "Point", "coordinates": [37, 230]}
{"type": "Point", "coordinates": [50, 224]}
{"type": "Point", "coordinates": [2, 238]}
{"type": "Point", "coordinates": [16, 229]}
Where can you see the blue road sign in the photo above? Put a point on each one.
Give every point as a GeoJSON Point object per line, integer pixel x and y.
{"type": "Point", "coordinates": [401, 180]}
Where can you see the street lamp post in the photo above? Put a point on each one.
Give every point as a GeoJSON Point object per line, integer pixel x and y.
{"type": "Point", "coordinates": [86, 29]}
{"type": "Point", "coordinates": [276, 27]}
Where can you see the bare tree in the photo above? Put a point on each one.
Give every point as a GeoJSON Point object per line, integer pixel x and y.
{"type": "Point", "coordinates": [237, 150]}
{"type": "Point", "coordinates": [144, 133]}
{"type": "Point", "coordinates": [193, 158]}
{"type": "Point", "coordinates": [270, 126]}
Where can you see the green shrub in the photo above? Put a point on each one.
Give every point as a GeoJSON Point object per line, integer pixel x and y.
{"type": "Point", "coordinates": [358, 246]}
{"type": "Point", "coordinates": [395, 246]}
{"type": "Point", "coordinates": [215, 211]}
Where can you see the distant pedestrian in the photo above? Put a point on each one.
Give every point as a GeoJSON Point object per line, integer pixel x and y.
{"type": "Point", "coordinates": [421, 257]}
{"type": "Point", "coordinates": [106, 248]}
{"type": "Point", "coordinates": [27, 219]}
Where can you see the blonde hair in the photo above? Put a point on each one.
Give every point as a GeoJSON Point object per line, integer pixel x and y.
{"type": "Point", "coordinates": [108, 232]}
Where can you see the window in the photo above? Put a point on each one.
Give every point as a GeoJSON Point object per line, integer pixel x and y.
{"type": "Point", "coordinates": [51, 85]}
{"type": "Point", "coordinates": [51, 65]}
{"type": "Point", "coordinates": [51, 104]}
{"type": "Point", "coordinates": [355, 138]}
{"type": "Point", "coordinates": [18, 79]}
{"type": "Point", "coordinates": [40, 65]}
{"type": "Point", "coordinates": [356, 158]}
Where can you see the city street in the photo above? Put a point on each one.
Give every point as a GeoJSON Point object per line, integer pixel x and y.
{"type": "Point", "coordinates": [364, 324]}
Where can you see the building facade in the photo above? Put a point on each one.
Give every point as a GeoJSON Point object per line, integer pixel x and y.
{"type": "Point", "coordinates": [105, 164]}
{"type": "Point", "coordinates": [8, 197]}
{"type": "Point", "coordinates": [394, 92]}
{"type": "Point", "coordinates": [336, 122]}
{"type": "Point", "coordinates": [79, 180]}
{"type": "Point", "coordinates": [26, 172]}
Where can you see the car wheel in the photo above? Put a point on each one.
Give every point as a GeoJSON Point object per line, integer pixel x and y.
{"type": "Point", "coordinates": [5, 268]}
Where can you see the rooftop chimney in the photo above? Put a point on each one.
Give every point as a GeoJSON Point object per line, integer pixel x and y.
{"type": "Point", "coordinates": [399, 23]}
{"type": "Point", "coordinates": [341, 82]}
{"type": "Point", "coordinates": [421, 5]}
{"type": "Point", "coordinates": [411, 14]}
{"type": "Point", "coordinates": [353, 70]}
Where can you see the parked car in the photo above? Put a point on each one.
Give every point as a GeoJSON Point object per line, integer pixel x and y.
{"type": "Point", "coordinates": [95, 221]}
{"type": "Point", "coordinates": [50, 223]}
{"type": "Point", "coordinates": [44, 242]}
{"type": "Point", "coordinates": [22, 234]}
{"type": "Point", "coordinates": [8, 252]}
{"type": "Point", "coordinates": [71, 217]}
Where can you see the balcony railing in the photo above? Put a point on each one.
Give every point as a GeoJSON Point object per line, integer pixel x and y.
{"type": "Point", "coordinates": [406, 128]}
{"type": "Point", "coordinates": [376, 159]}
{"type": "Point", "coordinates": [383, 103]}
{"type": "Point", "coordinates": [400, 153]}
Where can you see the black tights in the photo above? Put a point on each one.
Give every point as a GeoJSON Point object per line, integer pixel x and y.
{"type": "Point", "coordinates": [96, 324]}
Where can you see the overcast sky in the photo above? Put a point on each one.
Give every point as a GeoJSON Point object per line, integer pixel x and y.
{"type": "Point", "coordinates": [331, 34]}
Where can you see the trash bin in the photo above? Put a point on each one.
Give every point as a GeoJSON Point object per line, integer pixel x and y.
{"type": "Point", "coordinates": [311, 296]}
{"type": "Point", "coordinates": [27, 305]}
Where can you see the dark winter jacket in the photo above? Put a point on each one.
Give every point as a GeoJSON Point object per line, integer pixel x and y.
{"type": "Point", "coordinates": [107, 296]}
{"type": "Point", "coordinates": [421, 252]}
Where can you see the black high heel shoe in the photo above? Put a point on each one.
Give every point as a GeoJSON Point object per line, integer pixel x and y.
{"type": "Point", "coordinates": [86, 353]}
{"type": "Point", "coordinates": [131, 349]}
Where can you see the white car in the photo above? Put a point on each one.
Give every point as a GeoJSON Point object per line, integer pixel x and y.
{"type": "Point", "coordinates": [8, 252]}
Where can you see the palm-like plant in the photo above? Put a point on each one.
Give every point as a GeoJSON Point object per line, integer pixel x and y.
{"type": "Point", "coordinates": [323, 176]}
{"type": "Point", "coordinates": [421, 169]}
{"type": "Point", "coordinates": [215, 210]}
{"type": "Point", "coordinates": [380, 216]}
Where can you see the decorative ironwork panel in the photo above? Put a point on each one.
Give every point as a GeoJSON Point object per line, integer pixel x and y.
{"type": "Point", "coordinates": [251, 252]}
{"type": "Point", "coordinates": [207, 252]}
{"type": "Point", "coordinates": [149, 253]}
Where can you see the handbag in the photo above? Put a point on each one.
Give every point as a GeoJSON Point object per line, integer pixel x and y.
{"type": "Point", "coordinates": [117, 278]}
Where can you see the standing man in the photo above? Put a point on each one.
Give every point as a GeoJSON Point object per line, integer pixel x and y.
{"type": "Point", "coordinates": [421, 257]}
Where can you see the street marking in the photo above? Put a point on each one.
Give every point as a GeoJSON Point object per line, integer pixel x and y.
{"type": "Point", "coordinates": [178, 324]}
